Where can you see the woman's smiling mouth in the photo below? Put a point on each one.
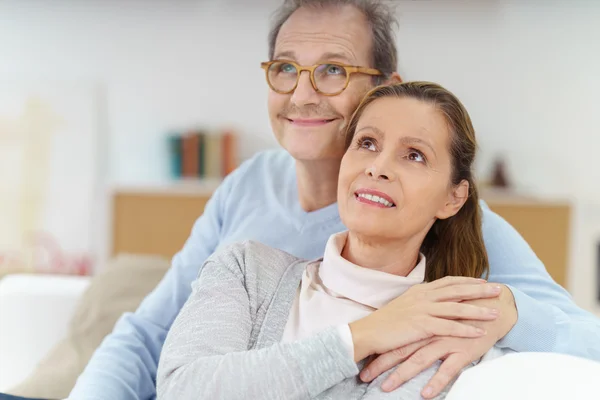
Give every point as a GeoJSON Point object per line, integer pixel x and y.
{"type": "Point", "coordinates": [374, 198]}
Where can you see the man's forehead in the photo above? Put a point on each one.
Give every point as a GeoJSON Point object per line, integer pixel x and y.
{"type": "Point", "coordinates": [311, 36]}
{"type": "Point", "coordinates": [312, 48]}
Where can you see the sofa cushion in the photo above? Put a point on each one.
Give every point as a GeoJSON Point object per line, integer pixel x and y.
{"type": "Point", "coordinates": [529, 376]}
{"type": "Point", "coordinates": [119, 288]}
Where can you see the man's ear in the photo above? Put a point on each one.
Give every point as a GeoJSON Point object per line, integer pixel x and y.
{"type": "Point", "coordinates": [395, 78]}
{"type": "Point", "coordinates": [456, 199]}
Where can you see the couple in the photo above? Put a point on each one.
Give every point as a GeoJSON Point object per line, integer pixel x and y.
{"type": "Point", "coordinates": [290, 204]}
{"type": "Point", "coordinates": [261, 323]}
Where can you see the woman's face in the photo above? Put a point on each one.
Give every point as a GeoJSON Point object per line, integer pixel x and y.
{"type": "Point", "coordinates": [395, 178]}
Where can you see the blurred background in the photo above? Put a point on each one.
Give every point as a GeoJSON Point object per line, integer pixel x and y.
{"type": "Point", "coordinates": [113, 111]}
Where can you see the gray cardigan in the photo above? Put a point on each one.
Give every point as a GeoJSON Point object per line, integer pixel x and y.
{"type": "Point", "coordinates": [225, 343]}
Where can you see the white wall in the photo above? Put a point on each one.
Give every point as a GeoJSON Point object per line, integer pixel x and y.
{"type": "Point", "coordinates": [528, 71]}
{"type": "Point", "coordinates": [163, 65]}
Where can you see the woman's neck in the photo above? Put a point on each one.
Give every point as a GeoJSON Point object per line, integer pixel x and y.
{"type": "Point", "coordinates": [317, 183]}
{"type": "Point", "coordinates": [391, 256]}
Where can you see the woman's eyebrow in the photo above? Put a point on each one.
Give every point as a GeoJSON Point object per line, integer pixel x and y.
{"type": "Point", "coordinates": [411, 140]}
{"type": "Point", "coordinates": [374, 129]}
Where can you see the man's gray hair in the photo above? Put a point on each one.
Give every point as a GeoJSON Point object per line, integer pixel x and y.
{"type": "Point", "coordinates": [381, 18]}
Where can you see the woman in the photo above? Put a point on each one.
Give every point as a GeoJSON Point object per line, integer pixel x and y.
{"type": "Point", "coordinates": [261, 323]}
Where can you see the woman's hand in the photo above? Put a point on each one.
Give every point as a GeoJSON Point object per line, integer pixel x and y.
{"type": "Point", "coordinates": [423, 311]}
{"type": "Point", "coordinates": [456, 353]}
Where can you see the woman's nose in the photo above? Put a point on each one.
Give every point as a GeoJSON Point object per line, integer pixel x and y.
{"type": "Point", "coordinates": [379, 170]}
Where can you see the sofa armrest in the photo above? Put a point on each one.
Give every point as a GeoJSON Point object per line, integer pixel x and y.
{"type": "Point", "coordinates": [529, 376]}
{"type": "Point", "coordinates": [35, 311]}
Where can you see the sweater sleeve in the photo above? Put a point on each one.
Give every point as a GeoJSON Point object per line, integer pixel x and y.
{"type": "Point", "coordinates": [206, 351]}
{"type": "Point", "coordinates": [124, 365]}
{"type": "Point", "coordinates": [409, 390]}
{"type": "Point", "coordinates": [548, 318]}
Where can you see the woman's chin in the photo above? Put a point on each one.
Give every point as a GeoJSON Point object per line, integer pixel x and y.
{"type": "Point", "coordinates": [370, 229]}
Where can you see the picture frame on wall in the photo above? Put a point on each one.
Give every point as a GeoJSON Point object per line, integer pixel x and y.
{"type": "Point", "coordinates": [51, 172]}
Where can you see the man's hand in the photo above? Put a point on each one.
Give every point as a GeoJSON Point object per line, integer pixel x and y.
{"type": "Point", "coordinates": [457, 353]}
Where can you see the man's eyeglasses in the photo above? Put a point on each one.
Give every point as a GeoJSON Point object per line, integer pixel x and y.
{"type": "Point", "coordinates": [328, 79]}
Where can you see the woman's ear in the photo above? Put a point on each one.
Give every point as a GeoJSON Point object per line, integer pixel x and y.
{"type": "Point", "coordinates": [457, 197]}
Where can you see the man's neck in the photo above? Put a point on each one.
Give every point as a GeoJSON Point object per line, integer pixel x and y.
{"type": "Point", "coordinates": [317, 183]}
{"type": "Point", "coordinates": [391, 256]}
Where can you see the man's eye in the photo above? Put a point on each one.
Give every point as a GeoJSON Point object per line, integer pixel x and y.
{"type": "Point", "coordinates": [287, 68]}
{"type": "Point", "coordinates": [335, 70]}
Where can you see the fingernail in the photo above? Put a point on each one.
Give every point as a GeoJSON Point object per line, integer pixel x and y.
{"type": "Point", "coordinates": [494, 312]}
{"type": "Point", "coordinates": [480, 331]}
{"type": "Point", "coordinates": [365, 375]}
{"type": "Point", "coordinates": [387, 385]}
{"type": "Point", "coordinates": [481, 280]}
{"type": "Point", "coordinates": [428, 391]}
{"type": "Point", "coordinates": [496, 289]}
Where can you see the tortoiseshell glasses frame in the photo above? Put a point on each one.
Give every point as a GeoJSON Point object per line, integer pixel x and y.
{"type": "Point", "coordinates": [323, 77]}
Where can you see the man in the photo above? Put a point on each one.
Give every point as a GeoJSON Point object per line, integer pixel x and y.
{"type": "Point", "coordinates": [289, 203]}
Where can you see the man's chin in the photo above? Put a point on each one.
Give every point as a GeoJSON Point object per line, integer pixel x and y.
{"type": "Point", "coordinates": [312, 144]}
{"type": "Point", "coordinates": [314, 155]}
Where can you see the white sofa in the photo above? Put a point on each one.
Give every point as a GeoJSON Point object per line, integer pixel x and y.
{"type": "Point", "coordinates": [50, 326]}
{"type": "Point", "coordinates": [35, 312]}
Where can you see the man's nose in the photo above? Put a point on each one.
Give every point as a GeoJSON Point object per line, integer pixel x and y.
{"type": "Point", "coordinates": [305, 92]}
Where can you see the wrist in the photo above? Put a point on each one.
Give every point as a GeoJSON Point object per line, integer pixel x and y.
{"type": "Point", "coordinates": [509, 315]}
{"type": "Point", "coordinates": [361, 339]}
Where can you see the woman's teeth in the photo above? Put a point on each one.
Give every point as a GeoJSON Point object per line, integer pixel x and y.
{"type": "Point", "coordinates": [376, 199]}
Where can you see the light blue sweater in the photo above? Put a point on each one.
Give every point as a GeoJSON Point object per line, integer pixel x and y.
{"type": "Point", "coordinates": [259, 201]}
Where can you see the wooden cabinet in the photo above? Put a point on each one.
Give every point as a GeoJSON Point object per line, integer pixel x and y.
{"type": "Point", "coordinates": [155, 220]}
{"type": "Point", "coordinates": [546, 226]}
{"type": "Point", "coordinates": [159, 220]}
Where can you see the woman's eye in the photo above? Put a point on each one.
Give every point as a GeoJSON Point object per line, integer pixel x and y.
{"type": "Point", "coordinates": [367, 144]}
{"type": "Point", "coordinates": [416, 156]}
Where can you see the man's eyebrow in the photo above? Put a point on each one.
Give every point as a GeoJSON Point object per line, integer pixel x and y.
{"type": "Point", "coordinates": [336, 56]}
{"type": "Point", "coordinates": [329, 56]}
{"type": "Point", "coordinates": [285, 54]}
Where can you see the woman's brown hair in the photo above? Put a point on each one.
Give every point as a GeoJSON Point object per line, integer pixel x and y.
{"type": "Point", "coordinates": [453, 246]}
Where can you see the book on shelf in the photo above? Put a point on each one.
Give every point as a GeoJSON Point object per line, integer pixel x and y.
{"type": "Point", "coordinates": [190, 159]}
{"type": "Point", "coordinates": [175, 155]}
{"type": "Point", "coordinates": [203, 155]}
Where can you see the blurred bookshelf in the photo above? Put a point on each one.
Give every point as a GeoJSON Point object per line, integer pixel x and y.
{"type": "Point", "coordinates": [202, 154]}
{"type": "Point", "coordinates": [157, 218]}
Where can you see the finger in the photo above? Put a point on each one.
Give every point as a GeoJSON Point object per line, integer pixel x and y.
{"type": "Point", "coordinates": [465, 292]}
{"type": "Point", "coordinates": [453, 310]}
{"type": "Point", "coordinates": [445, 327]}
{"type": "Point", "coordinates": [390, 359]}
{"type": "Point", "coordinates": [414, 365]}
{"type": "Point", "coordinates": [447, 372]}
{"type": "Point", "coordinates": [454, 280]}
